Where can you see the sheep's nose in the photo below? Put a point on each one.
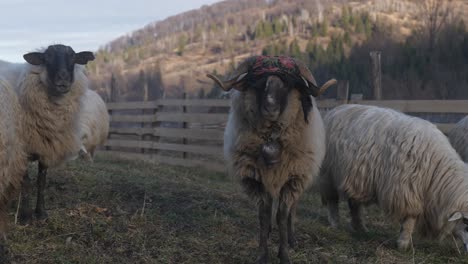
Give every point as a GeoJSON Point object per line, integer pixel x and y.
{"type": "Point", "coordinates": [63, 74]}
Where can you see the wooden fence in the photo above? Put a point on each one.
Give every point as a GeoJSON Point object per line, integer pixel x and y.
{"type": "Point", "coordinates": [190, 132]}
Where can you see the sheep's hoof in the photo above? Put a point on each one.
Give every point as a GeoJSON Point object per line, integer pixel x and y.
{"type": "Point", "coordinates": [292, 241]}
{"type": "Point", "coordinates": [284, 258]}
{"type": "Point", "coordinates": [263, 259]}
{"type": "Point", "coordinates": [25, 217]}
{"type": "Point", "coordinates": [359, 227]}
{"type": "Point", "coordinates": [403, 245]}
{"type": "Point", "coordinates": [4, 255]}
{"type": "Point", "coordinates": [41, 215]}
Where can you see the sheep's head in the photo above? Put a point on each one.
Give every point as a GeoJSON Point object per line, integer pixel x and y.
{"type": "Point", "coordinates": [461, 227]}
{"type": "Point", "coordinates": [59, 61]}
{"type": "Point", "coordinates": [272, 78]}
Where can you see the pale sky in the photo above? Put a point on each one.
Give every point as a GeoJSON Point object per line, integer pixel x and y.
{"type": "Point", "coordinates": [26, 25]}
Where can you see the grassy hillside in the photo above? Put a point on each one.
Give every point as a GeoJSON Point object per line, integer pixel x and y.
{"type": "Point", "coordinates": [116, 211]}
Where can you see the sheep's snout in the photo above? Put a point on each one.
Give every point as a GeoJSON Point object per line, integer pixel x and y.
{"type": "Point", "coordinates": [274, 98]}
{"type": "Point", "coordinates": [271, 153]}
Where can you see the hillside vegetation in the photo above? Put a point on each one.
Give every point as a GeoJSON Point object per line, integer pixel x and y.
{"type": "Point", "coordinates": [424, 47]}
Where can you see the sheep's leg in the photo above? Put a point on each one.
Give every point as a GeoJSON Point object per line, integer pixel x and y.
{"type": "Point", "coordinates": [25, 213]}
{"type": "Point", "coordinates": [330, 198]}
{"type": "Point", "coordinates": [291, 230]}
{"type": "Point", "coordinates": [4, 258]}
{"type": "Point", "coordinates": [40, 212]}
{"type": "Point", "coordinates": [264, 216]}
{"type": "Point", "coordinates": [288, 198]}
{"type": "Point", "coordinates": [282, 219]}
{"type": "Point", "coordinates": [406, 231]}
{"type": "Point", "coordinates": [355, 208]}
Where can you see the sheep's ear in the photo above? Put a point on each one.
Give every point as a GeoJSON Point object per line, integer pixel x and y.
{"type": "Point", "coordinates": [34, 58]}
{"type": "Point", "coordinates": [84, 57]}
{"type": "Point", "coordinates": [456, 216]}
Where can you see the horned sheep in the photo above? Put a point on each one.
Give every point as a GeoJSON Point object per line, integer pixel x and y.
{"type": "Point", "coordinates": [458, 137]}
{"type": "Point", "coordinates": [94, 121]}
{"type": "Point", "coordinates": [49, 90]}
{"type": "Point", "coordinates": [274, 141]}
{"type": "Point", "coordinates": [402, 163]}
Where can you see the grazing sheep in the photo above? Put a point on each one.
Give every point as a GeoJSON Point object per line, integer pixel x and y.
{"type": "Point", "coordinates": [49, 90]}
{"type": "Point", "coordinates": [13, 161]}
{"type": "Point", "coordinates": [274, 141]}
{"type": "Point", "coordinates": [402, 163]}
{"type": "Point", "coordinates": [458, 137]}
{"type": "Point", "coordinates": [94, 122]}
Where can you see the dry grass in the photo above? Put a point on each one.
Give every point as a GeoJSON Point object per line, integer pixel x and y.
{"type": "Point", "coordinates": [116, 211]}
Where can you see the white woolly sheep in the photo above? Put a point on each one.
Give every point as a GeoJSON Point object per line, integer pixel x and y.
{"type": "Point", "coordinates": [49, 90]}
{"type": "Point", "coordinates": [94, 121]}
{"type": "Point", "coordinates": [402, 163]}
{"type": "Point", "coordinates": [274, 141]}
{"type": "Point", "coordinates": [458, 137]}
{"type": "Point", "coordinates": [13, 161]}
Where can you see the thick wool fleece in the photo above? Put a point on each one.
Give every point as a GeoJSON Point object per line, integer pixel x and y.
{"type": "Point", "coordinates": [402, 163]}
{"type": "Point", "coordinates": [51, 124]}
{"type": "Point", "coordinates": [303, 146]}
{"type": "Point", "coordinates": [13, 161]}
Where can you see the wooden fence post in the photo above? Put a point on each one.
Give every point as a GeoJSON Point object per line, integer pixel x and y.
{"type": "Point", "coordinates": [343, 91]}
{"type": "Point", "coordinates": [145, 99]}
{"type": "Point", "coordinates": [376, 73]}
{"type": "Point", "coordinates": [112, 98]}
{"type": "Point", "coordinates": [184, 124]}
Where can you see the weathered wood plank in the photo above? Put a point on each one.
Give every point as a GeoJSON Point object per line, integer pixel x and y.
{"type": "Point", "coordinates": [191, 133]}
{"type": "Point", "coordinates": [172, 117]}
{"type": "Point", "coordinates": [208, 150]}
{"type": "Point", "coordinates": [155, 158]}
{"type": "Point", "coordinates": [168, 102]}
{"type": "Point", "coordinates": [445, 128]}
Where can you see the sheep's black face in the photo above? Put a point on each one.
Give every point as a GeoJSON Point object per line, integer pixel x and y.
{"type": "Point", "coordinates": [273, 98]}
{"type": "Point", "coordinates": [59, 61]}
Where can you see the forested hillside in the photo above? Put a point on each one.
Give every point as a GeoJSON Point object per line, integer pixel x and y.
{"type": "Point", "coordinates": [424, 45]}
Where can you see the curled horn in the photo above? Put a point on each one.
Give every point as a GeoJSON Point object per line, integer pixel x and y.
{"type": "Point", "coordinates": [237, 77]}
{"type": "Point", "coordinates": [310, 82]}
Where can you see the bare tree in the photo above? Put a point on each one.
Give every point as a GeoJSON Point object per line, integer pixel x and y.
{"type": "Point", "coordinates": [435, 14]}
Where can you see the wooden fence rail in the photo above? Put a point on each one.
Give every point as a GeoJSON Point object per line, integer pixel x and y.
{"type": "Point", "coordinates": [190, 131]}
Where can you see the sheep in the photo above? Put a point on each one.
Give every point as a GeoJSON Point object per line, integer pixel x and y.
{"type": "Point", "coordinates": [13, 158]}
{"type": "Point", "coordinates": [49, 90]}
{"type": "Point", "coordinates": [274, 140]}
{"type": "Point", "coordinates": [404, 164]}
{"type": "Point", "coordinates": [458, 137]}
{"type": "Point", "coordinates": [94, 121]}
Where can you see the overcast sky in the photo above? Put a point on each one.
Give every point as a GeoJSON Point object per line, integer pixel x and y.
{"type": "Point", "coordinates": [26, 25]}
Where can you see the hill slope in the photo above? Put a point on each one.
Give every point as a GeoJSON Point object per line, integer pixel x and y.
{"type": "Point", "coordinates": [176, 53]}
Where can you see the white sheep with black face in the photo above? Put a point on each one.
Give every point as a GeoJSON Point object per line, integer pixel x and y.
{"type": "Point", "coordinates": [274, 141]}
{"type": "Point", "coordinates": [13, 160]}
{"type": "Point", "coordinates": [49, 89]}
{"type": "Point", "coordinates": [402, 163]}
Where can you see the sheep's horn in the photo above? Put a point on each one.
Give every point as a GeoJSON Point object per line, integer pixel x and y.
{"type": "Point", "coordinates": [229, 84]}
{"type": "Point", "coordinates": [326, 85]}
{"type": "Point", "coordinates": [308, 78]}
{"type": "Point", "coordinates": [310, 82]}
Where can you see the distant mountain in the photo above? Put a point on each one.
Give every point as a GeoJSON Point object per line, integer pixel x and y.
{"type": "Point", "coordinates": [169, 57]}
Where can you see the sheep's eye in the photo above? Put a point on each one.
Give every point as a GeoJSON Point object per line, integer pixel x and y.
{"type": "Point", "coordinates": [466, 229]}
